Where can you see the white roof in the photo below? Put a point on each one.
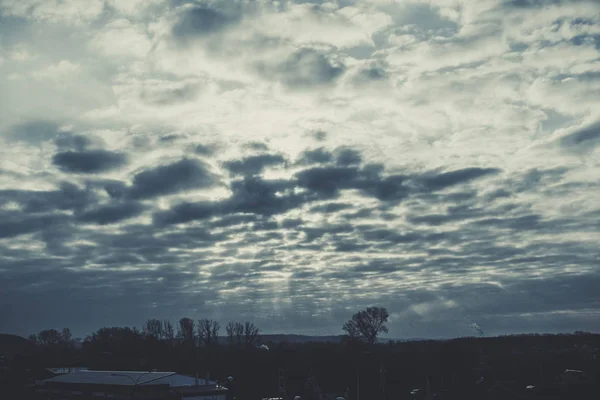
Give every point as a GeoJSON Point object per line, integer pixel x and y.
{"type": "Point", "coordinates": [66, 370]}
{"type": "Point", "coordinates": [129, 378]}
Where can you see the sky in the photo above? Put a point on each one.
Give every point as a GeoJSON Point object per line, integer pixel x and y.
{"type": "Point", "coordinates": [292, 162]}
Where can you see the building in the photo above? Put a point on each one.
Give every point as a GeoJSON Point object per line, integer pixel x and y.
{"type": "Point", "coordinates": [127, 385]}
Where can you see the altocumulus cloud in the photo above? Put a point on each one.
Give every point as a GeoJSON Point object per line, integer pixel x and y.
{"type": "Point", "coordinates": [290, 162]}
{"type": "Point", "coordinates": [178, 176]}
{"type": "Point", "coordinates": [88, 161]}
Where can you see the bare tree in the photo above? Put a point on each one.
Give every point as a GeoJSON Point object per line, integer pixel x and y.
{"type": "Point", "coordinates": [186, 331]}
{"type": "Point", "coordinates": [250, 334]}
{"type": "Point", "coordinates": [239, 333]}
{"type": "Point", "coordinates": [153, 328]}
{"type": "Point", "coordinates": [33, 338]}
{"type": "Point", "coordinates": [168, 331]}
{"type": "Point", "coordinates": [235, 333]}
{"type": "Point", "coordinates": [66, 336]}
{"type": "Point", "coordinates": [367, 324]}
{"type": "Point", "coordinates": [208, 331]}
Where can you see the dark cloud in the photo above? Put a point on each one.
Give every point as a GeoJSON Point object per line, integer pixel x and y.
{"type": "Point", "coordinates": [447, 179]}
{"type": "Point", "coordinates": [89, 161]}
{"type": "Point", "coordinates": [525, 222]}
{"type": "Point", "coordinates": [170, 138]}
{"type": "Point", "coordinates": [71, 141]}
{"type": "Point", "coordinates": [115, 189]}
{"type": "Point", "coordinates": [20, 224]}
{"type": "Point", "coordinates": [199, 22]}
{"type": "Point", "coordinates": [377, 267]}
{"type": "Point", "coordinates": [331, 208]}
{"type": "Point", "coordinates": [260, 196]}
{"type": "Point", "coordinates": [390, 188]}
{"type": "Point", "coordinates": [583, 40]}
{"type": "Point", "coordinates": [539, 3]}
{"type": "Point", "coordinates": [585, 137]}
{"type": "Point", "coordinates": [253, 165]}
{"type": "Point", "coordinates": [390, 235]}
{"type": "Point", "coordinates": [111, 213]}
{"type": "Point", "coordinates": [255, 195]}
{"type": "Point", "coordinates": [348, 157]}
{"type": "Point", "coordinates": [316, 156]}
{"type": "Point", "coordinates": [186, 212]}
{"type": "Point", "coordinates": [182, 175]}
{"type": "Point", "coordinates": [534, 179]}
{"type": "Point", "coordinates": [371, 72]}
{"type": "Point", "coordinates": [497, 194]}
{"type": "Point", "coordinates": [257, 146]}
{"type": "Point", "coordinates": [327, 181]}
{"type": "Point", "coordinates": [291, 222]}
{"type": "Point", "coordinates": [119, 259]}
{"type": "Point", "coordinates": [350, 246]}
{"type": "Point", "coordinates": [204, 150]}
{"type": "Point", "coordinates": [68, 196]}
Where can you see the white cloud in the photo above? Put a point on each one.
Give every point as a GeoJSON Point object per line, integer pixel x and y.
{"type": "Point", "coordinates": [120, 38]}
{"type": "Point", "coordinates": [64, 70]}
{"type": "Point", "coordinates": [72, 12]}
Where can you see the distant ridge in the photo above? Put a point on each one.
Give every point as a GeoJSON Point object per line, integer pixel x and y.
{"type": "Point", "coordinates": [293, 338]}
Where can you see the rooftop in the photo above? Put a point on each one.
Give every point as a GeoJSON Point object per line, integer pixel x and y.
{"type": "Point", "coordinates": [129, 378]}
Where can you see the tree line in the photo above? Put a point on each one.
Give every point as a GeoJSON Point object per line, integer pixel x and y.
{"type": "Point", "coordinates": [364, 327]}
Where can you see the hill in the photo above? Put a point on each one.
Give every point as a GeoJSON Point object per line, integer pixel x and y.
{"type": "Point", "coordinates": [291, 338]}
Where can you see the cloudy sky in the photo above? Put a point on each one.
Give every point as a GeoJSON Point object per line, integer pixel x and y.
{"type": "Point", "coordinates": [291, 162]}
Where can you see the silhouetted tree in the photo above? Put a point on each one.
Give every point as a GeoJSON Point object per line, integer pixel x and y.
{"type": "Point", "coordinates": [32, 338]}
{"type": "Point", "coordinates": [250, 334]}
{"type": "Point", "coordinates": [49, 337]}
{"type": "Point", "coordinates": [114, 335]}
{"type": "Point", "coordinates": [187, 331]}
{"type": "Point", "coordinates": [239, 333]}
{"type": "Point", "coordinates": [153, 328]}
{"type": "Point", "coordinates": [367, 324]}
{"type": "Point", "coordinates": [168, 331]}
{"type": "Point", "coordinates": [66, 336]}
{"type": "Point", "coordinates": [208, 331]}
{"type": "Point", "coordinates": [235, 333]}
